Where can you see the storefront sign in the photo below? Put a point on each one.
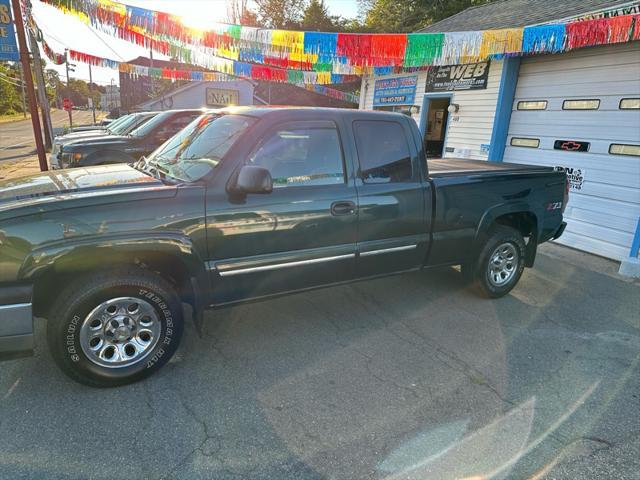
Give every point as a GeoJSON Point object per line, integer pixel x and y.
{"type": "Point", "coordinates": [395, 91]}
{"type": "Point", "coordinates": [458, 77]}
{"type": "Point", "coordinates": [8, 47]}
{"type": "Point", "coordinates": [219, 96]}
{"type": "Point", "coordinates": [575, 176]}
{"type": "Point", "coordinates": [571, 145]}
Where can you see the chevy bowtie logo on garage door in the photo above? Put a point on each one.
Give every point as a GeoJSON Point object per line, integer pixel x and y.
{"type": "Point", "coordinates": [571, 145]}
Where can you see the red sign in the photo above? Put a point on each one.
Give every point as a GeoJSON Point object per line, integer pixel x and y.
{"type": "Point", "coordinates": [66, 104]}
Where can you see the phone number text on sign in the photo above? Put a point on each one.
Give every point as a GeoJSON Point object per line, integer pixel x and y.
{"type": "Point", "coordinates": [395, 91]}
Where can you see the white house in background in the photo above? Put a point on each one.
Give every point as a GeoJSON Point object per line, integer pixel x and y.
{"type": "Point", "coordinates": [578, 110]}
{"type": "Point", "coordinates": [204, 95]}
{"type": "Point", "coordinates": [110, 99]}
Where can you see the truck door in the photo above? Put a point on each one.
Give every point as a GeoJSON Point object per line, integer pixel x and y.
{"type": "Point", "coordinates": [394, 204]}
{"type": "Point", "coordinates": [302, 234]}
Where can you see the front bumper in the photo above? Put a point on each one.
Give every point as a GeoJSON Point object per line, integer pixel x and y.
{"type": "Point", "coordinates": [16, 321]}
{"type": "Point", "coordinates": [54, 160]}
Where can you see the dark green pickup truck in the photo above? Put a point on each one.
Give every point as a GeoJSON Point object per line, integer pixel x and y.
{"type": "Point", "coordinates": [245, 204]}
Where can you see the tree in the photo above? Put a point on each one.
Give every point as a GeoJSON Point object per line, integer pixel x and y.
{"type": "Point", "coordinates": [441, 9]}
{"type": "Point", "coordinates": [393, 16]}
{"type": "Point", "coordinates": [10, 99]}
{"type": "Point", "coordinates": [409, 15]}
{"type": "Point", "coordinates": [280, 14]}
{"type": "Point", "coordinates": [249, 18]}
{"type": "Point", "coordinates": [238, 12]}
{"type": "Point", "coordinates": [316, 17]}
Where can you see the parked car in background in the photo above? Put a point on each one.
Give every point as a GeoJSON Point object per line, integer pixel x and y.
{"type": "Point", "coordinates": [122, 126]}
{"type": "Point", "coordinates": [86, 128]}
{"type": "Point", "coordinates": [243, 204]}
{"type": "Point", "coordinates": [127, 147]}
{"type": "Point", "coordinates": [98, 126]}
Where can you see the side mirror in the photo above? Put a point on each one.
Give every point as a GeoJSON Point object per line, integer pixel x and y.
{"type": "Point", "coordinates": [254, 179]}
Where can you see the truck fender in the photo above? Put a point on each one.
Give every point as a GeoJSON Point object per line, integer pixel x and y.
{"type": "Point", "coordinates": [489, 217]}
{"type": "Point", "coordinates": [154, 250]}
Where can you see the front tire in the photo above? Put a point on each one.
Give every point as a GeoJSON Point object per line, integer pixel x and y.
{"type": "Point", "coordinates": [500, 263]}
{"type": "Point", "coordinates": [115, 327]}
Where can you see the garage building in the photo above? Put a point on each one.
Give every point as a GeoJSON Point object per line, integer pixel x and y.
{"type": "Point", "coordinates": [578, 110]}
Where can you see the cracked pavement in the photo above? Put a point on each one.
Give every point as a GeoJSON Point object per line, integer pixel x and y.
{"type": "Point", "coordinates": [408, 377]}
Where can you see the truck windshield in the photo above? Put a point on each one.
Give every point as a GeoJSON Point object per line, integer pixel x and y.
{"type": "Point", "coordinates": [113, 126]}
{"type": "Point", "coordinates": [149, 126]}
{"type": "Point", "coordinates": [134, 121]}
{"type": "Point", "coordinates": [198, 148]}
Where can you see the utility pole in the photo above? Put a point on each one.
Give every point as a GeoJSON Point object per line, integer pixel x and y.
{"type": "Point", "coordinates": [150, 75]}
{"type": "Point", "coordinates": [111, 102]}
{"type": "Point", "coordinates": [66, 64]}
{"type": "Point", "coordinates": [26, 68]}
{"type": "Point", "coordinates": [24, 100]}
{"type": "Point", "coordinates": [42, 89]}
{"type": "Point", "coordinates": [93, 103]}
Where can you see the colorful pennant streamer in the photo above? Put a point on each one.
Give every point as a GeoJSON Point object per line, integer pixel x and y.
{"type": "Point", "coordinates": [273, 54]}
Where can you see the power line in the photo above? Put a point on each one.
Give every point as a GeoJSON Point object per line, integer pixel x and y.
{"type": "Point", "coordinates": [10, 83]}
{"type": "Point", "coordinates": [103, 41]}
{"type": "Point", "coordinates": [10, 78]}
{"type": "Point", "coordinates": [6, 80]}
{"type": "Point", "coordinates": [66, 45]}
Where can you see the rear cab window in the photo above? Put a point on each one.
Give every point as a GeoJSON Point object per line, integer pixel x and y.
{"type": "Point", "coordinates": [384, 153]}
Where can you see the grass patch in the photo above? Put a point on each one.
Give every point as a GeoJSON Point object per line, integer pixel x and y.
{"type": "Point", "coordinates": [16, 117]}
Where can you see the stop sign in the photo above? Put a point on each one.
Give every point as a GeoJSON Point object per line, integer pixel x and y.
{"type": "Point", "coordinates": [66, 103]}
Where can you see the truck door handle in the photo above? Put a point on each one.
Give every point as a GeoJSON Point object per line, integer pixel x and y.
{"type": "Point", "coordinates": [343, 208]}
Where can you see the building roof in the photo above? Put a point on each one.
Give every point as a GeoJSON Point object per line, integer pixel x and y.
{"type": "Point", "coordinates": [289, 94]}
{"type": "Point", "coordinates": [517, 13]}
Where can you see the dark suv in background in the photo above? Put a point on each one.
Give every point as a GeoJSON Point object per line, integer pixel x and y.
{"type": "Point", "coordinates": [122, 126]}
{"type": "Point", "coordinates": [129, 147]}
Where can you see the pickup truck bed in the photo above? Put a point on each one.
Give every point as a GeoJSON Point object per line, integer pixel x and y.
{"type": "Point", "coordinates": [448, 166]}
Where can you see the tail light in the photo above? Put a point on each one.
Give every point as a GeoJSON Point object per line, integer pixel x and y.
{"type": "Point", "coordinates": [565, 198]}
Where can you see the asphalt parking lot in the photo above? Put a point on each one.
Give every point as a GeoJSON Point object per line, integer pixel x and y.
{"type": "Point", "coordinates": [409, 377]}
{"type": "Point", "coordinates": [16, 138]}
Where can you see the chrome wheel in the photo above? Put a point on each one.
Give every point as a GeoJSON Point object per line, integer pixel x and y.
{"type": "Point", "coordinates": [503, 264]}
{"type": "Point", "coordinates": [120, 332]}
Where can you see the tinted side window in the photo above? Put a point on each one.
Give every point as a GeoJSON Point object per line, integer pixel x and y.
{"type": "Point", "coordinates": [383, 152]}
{"type": "Point", "coordinates": [176, 124]}
{"type": "Point", "coordinates": [306, 156]}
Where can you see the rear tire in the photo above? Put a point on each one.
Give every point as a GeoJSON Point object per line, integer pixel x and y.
{"type": "Point", "coordinates": [500, 263]}
{"type": "Point", "coordinates": [115, 327]}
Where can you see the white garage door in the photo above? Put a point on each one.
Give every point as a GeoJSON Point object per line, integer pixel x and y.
{"type": "Point", "coordinates": [582, 111]}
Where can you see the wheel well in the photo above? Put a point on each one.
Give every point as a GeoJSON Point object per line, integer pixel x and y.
{"type": "Point", "coordinates": [50, 284]}
{"type": "Point", "coordinates": [526, 223]}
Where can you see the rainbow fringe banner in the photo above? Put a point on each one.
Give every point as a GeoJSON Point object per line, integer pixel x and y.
{"type": "Point", "coordinates": [227, 70]}
{"type": "Point", "coordinates": [281, 55]}
{"type": "Point", "coordinates": [56, 58]}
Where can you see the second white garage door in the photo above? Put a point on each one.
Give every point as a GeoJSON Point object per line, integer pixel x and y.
{"type": "Point", "coordinates": [582, 111]}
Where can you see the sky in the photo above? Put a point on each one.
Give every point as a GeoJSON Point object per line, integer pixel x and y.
{"type": "Point", "coordinates": [65, 31]}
